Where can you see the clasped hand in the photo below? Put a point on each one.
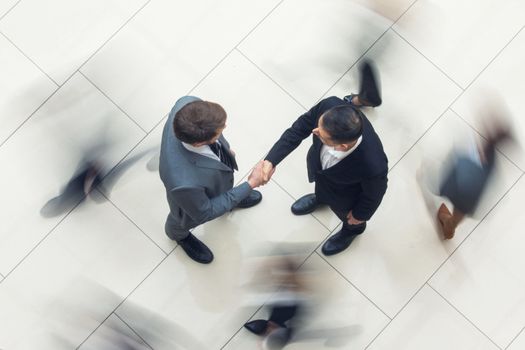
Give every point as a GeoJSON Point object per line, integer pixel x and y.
{"type": "Point", "coordinates": [261, 174]}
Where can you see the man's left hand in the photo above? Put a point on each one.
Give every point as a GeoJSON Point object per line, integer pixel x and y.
{"type": "Point", "coordinates": [352, 220]}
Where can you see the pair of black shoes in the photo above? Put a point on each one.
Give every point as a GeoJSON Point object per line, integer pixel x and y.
{"type": "Point", "coordinates": [197, 250]}
{"type": "Point", "coordinates": [339, 241]}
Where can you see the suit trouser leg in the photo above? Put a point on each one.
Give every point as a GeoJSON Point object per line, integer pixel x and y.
{"type": "Point", "coordinates": [350, 229]}
{"type": "Point", "coordinates": [173, 231]}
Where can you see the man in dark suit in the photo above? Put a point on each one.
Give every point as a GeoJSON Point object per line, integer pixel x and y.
{"type": "Point", "coordinates": [346, 161]}
{"type": "Point", "coordinates": [196, 166]}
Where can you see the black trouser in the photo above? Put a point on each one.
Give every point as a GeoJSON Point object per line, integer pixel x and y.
{"type": "Point", "coordinates": [347, 228]}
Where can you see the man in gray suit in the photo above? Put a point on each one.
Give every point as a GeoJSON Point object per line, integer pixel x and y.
{"type": "Point", "coordinates": [196, 167]}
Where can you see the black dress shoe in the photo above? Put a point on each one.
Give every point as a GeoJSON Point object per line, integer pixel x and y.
{"type": "Point", "coordinates": [257, 326]}
{"type": "Point", "coordinates": [196, 250]}
{"type": "Point", "coordinates": [305, 205]}
{"type": "Point", "coordinates": [338, 242]}
{"type": "Point", "coordinates": [253, 198]}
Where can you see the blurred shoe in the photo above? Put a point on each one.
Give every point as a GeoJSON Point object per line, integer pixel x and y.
{"type": "Point", "coordinates": [257, 326]}
{"type": "Point", "coordinates": [305, 205]}
{"type": "Point", "coordinates": [369, 89]}
{"type": "Point", "coordinates": [253, 199]}
{"type": "Point", "coordinates": [196, 250]}
{"type": "Point", "coordinates": [445, 221]}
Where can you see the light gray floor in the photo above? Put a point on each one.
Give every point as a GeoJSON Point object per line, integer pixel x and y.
{"type": "Point", "coordinates": [72, 72]}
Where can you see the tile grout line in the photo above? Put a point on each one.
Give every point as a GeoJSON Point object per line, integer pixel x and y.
{"type": "Point", "coordinates": [516, 337]}
{"type": "Point", "coordinates": [355, 287]}
{"type": "Point", "coordinates": [450, 106]}
{"type": "Point", "coordinates": [111, 37]}
{"type": "Point", "coordinates": [29, 117]}
{"type": "Point", "coordinates": [233, 49]}
{"type": "Point", "coordinates": [113, 102]}
{"type": "Point", "coordinates": [10, 9]}
{"type": "Point", "coordinates": [29, 59]}
{"type": "Point", "coordinates": [271, 79]}
{"type": "Point", "coordinates": [264, 304]}
{"type": "Point", "coordinates": [59, 86]}
{"type": "Point", "coordinates": [427, 282]}
{"type": "Point", "coordinates": [131, 328]}
{"type": "Point", "coordinates": [66, 215]}
{"type": "Point", "coordinates": [465, 317]}
{"type": "Point", "coordinates": [124, 300]}
{"type": "Point", "coordinates": [367, 50]}
{"type": "Point", "coordinates": [428, 59]}
{"type": "Point", "coordinates": [131, 221]}
{"type": "Point", "coordinates": [291, 196]}
{"type": "Point", "coordinates": [494, 58]}
{"type": "Point", "coordinates": [476, 226]}
{"type": "Point", "coordinates": [36, 110]}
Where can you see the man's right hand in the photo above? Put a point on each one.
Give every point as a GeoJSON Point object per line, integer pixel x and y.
{"type": "Point", "coordinates": [267, 170]}
{"type": "Point", "coordinates": [256, 178]}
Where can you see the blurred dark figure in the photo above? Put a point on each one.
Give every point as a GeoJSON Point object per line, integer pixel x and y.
{"type": "Point", "coordinates": [467, 179]}
{"type": "Point", "coordinates": [287, 305]}
{"type": "Point", "coordinates": [369, 89]}
{"type": "Point", "coordinates": [92, 171]}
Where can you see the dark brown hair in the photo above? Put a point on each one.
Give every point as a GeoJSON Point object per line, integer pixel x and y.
{"type": "Point", "coordinates": [199, 121]}
{"type": "Point", "coordinates": [343, 123]}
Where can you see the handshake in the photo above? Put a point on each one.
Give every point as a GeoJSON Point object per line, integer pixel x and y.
{"type": "Point", "coordinates": [261, 174]}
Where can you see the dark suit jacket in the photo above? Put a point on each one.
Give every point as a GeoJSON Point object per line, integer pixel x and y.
{"type": "Point", "coordinates": [198, 188]}
{"type": "Point", "coordinates": [356, 183]}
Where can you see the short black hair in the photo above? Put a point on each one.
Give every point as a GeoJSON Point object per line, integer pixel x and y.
{"type": "Point", "coordinates": [199, 121]}
{"type": "Point", "coordinates": [343, 123]}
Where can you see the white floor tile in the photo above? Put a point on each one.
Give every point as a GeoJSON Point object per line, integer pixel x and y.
{"type": "Point", "coordinates": [74, 279]}
{"type": "Point", "coordinates": [461, 37]}
{"type": "Point", "coordinates": [402, 247]}
{"type": "Point", "coordinates": [60, 35]}
{"type": "Point", "coordinates": [114, 334]}
{"type": "Point", "coordinates": [6, 5]}
{"type": "Point", "coordinates": [165, 50]}
{"type": "Point", "coordinates": [407, 110]}
{"type": "Point", "coordinates": [519, 343]}
{"type": "Point", "coordinates": [503, 81]}
{"type": "Point", "coordinates": [23, 88]}
{"type": "Point", "coordinates": [339, 317]}
{"type": "Point", "coordinates": [429, 322]}
{"type": "Point", "coordinates": [484, 278]}
{"type": "Point", "coordinates": [305, 46]}
{"type": "Point", "coordinates": [42, 156]}
{"type": "Point", "coordinates": [206, 301]}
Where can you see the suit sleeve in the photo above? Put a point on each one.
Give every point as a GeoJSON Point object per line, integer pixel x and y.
{"type": "Point", "coordinates": [195, 203]}
{"type": "Point", "coordinates": [293, 136]}
{"type": "Point", "coordinates": [373, 191]}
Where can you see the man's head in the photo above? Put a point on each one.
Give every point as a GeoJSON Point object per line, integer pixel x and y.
{"type": "Point", "coordinates": [340, 127]}
{"type": "Point", "coordinates": [199, 123]}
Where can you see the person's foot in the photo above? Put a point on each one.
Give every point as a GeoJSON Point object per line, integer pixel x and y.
{"type": "Point", "coordinates": [305, 205]}
{"type": "Point", "coordinates": [253, 199]}
{"type": "Point", "coordinates": [196, 250]}
{"type": "Point", "coordinates": [340, 241]}
{"type": "Point", "coordinates": [258, 327]}
{"type": "Point", "coordinates": [357, 101]}
{"type": "Point", "coordinates": [445, 221]}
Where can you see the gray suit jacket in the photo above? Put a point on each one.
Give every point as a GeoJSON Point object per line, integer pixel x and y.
{"type": "Point", "coordinates": [198, 188]}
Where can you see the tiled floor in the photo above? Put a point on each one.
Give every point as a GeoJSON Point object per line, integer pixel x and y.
{"type": "Point", "coordinates": [74, 71]}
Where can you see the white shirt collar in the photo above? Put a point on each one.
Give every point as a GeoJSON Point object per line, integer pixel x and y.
{"type": "Point", "coordinates": [342, 154]}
